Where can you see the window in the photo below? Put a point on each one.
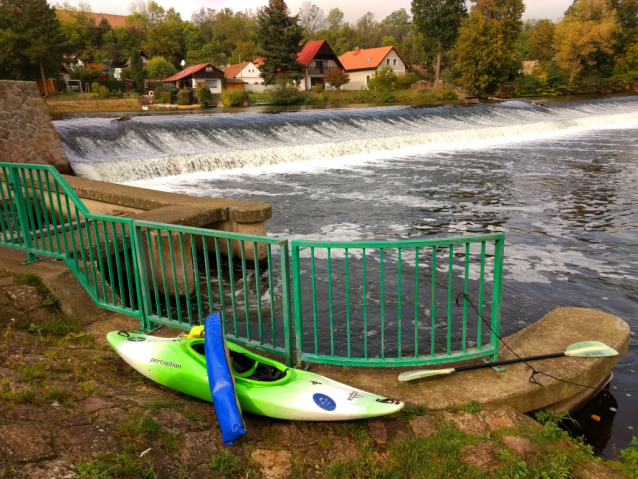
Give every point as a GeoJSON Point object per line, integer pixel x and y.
{"type": "Point", "coordinates": [394, 62]}
{"type": "Point", "coordinates": [367, 79]}
{"type": "Point", "coordinates": [211, 83]}
{"type": "Point", "coordinates": [387, 61]}
{"type": "Point", "coordinates": [368, 60]}
{"type": "Point", "coordinates": [209, 69]}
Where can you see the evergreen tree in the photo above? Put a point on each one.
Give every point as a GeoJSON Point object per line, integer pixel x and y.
{"type": "Point", "coordinates": [33, 36]}
{"type": "Point", "coordinates": [137, 70]}
{"type": "Point", "coordinates": [438, 21]}
{"type": "Point", "coordinates": [280, 38]}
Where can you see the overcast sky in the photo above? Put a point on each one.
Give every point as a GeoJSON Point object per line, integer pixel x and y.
{"type": "Point", "coordinates": [352, 9]}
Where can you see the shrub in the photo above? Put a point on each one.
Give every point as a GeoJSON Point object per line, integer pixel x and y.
{"type": "Point", "coordinates": [204, 96]}
{"type": "Point", "coordinates": [284, 93]}
{"type": "Point", "coordinates": [157, 93]}
{"type": "Point", "coordinates": [234, 97]}
{"type": "Point", "coordinates": [384, 79]}
{"type": "Point", "coordinates": [158, 67]}
{"type": "Point", "coordinates": [95, 89]}
{"type": "Point", "coordinates": [171, 88]}
{"type": "Point", "coordinates": [403, 82]}
{"type": "Point", "coordinates": [165, 97]}
{"type": "Point", "coordinates": [184, 97]}
{"type": "Point", "coordinates": [629, 457]}
{"type": "Point", "coordinates": [336, 78]}
{"type": "Point", "coordinates": [103, 92]}
{"type": "Point", "coordinates": [318, 88]}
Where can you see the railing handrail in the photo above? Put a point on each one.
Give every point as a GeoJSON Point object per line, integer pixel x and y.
{"type": "Point", "coordinates": [392, 244]}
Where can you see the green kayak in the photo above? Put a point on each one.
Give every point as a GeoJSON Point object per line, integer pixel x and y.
{"type": "Point", "coordinates": [263, 386]}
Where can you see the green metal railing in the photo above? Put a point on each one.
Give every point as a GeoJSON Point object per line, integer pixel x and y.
{"type": "Point", "coordinates": [367, 300]}
{"type": "Point", "coordinates": [375, 303]}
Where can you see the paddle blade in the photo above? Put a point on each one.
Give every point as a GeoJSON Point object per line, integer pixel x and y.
{"type": "Point", "coordinates": [423, 374]}
{"type": "Point", "coordinates": [590, 349]}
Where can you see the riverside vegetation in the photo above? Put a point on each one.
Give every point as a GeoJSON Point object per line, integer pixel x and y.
{"type": "Point", "coordinates": [72, 408]}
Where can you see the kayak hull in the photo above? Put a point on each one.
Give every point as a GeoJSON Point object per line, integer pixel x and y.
{"type": "Point", "coordinates": [298, 396]}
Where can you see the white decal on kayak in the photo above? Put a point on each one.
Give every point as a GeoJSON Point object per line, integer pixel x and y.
{"type": "Point", "coordinates": [168, 364]}
{"type": "Point", "coordinates": [354, 395]}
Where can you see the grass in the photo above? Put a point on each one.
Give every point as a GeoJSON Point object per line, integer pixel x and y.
{"type": "Point", "coordinates": [225, 463]}
{"type": "Point", "coordinates": [411, 411]}
{"type": "Point", "coordinates": [473, 407]}
{"type": "Point", "coordinates": [66, 105]}
{"type": "Point", "coordinates": [18, 396]}
{"type": "Point", "coordinates": [123, 465]}
{"type": "Point", "coordinates": [49, 300]}
{"type": "Point", "coordinates": [54, 393]}
{"type": "Point", "coordinates": [140, 428]}
{"type": "Point", "coordinates": [33, 373]}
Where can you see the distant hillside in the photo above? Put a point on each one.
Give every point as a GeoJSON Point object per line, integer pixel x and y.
{"type": "Point", "coordinates": [116, 21]}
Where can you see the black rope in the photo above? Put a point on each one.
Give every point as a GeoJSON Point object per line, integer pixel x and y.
{"type": "Point", "coordinates": [532, 378]}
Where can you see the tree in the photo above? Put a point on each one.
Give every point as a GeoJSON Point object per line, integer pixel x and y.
{"type": "Point", "coordinates": [396, 25]}
{"type": "Point", "coordinates": [388, 41]}
{"type": "Point", "coordinates": [137, 70]}
{"type": "Point", "coordinates": [36, 33]}
{"type": "Point", "coordinates": [204, 96]}
{"type": "Point", "coordinates": [337, 78]}
{"type": "Point", "coordinates": [588, 26]}
{"type": "Point", "coordinates": [243, 52]}
{"type": "Point", "coordinates": [507, 12]}
{"type": "Point", "coordinates": [280, 38]}
{"type": "Point", "coordinates": [540, 41]}
{"type": "Point", "coordinates": [384, 79]}
{"type": "Point", "coordinates": [438, 21]}
{"type": "Point", "coordinates": [334, 20]}
{"type": "Point", "coordinates": [161, 41]}
{"type": "Point", "coordinates": [481, 52]}
{"type": "Point", "coordinates": [158, 67]}
{"type": "Point", "coordinates": [311, 18]}
{"type": "Point", "coordinates": [367, 29]}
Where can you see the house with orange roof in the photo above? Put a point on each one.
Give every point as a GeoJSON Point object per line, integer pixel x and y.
{"type": "Point", "coordinates": [319, 59]}
{"type": "Point", "coordinates": [189, 77]}
{"type": "Point", "coordinates": [246, 72]}
{"type": "Point", "coordinates": [361, 65]}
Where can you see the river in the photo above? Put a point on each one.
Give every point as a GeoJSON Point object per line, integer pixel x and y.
{"type": "Point", "coordinates": [560, 181]}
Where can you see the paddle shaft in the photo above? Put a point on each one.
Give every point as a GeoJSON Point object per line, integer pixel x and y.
{"type": "Point", "coordinates": [509, 361]}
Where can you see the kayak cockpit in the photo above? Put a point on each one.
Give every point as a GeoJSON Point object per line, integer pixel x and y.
{"type": "Point", "coordinates": [246, 367]}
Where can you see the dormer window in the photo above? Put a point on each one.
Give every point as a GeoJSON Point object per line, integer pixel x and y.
{"type": "Point", "coordinates": [369, 60]}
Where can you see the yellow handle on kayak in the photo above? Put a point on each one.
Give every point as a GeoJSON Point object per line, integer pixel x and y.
{"type": "Point", "coordinates": [195, 332]}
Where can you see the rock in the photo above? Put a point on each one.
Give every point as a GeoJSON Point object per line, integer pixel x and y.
{"type": "Point", "coordinates": [424, 426]}
{"type": "Point", "coordinates": [204, 472]}
{"type": "Point", "coordinates": [6, 373]}
{"type": "Point", "coordinates": [78, 418]}
{"type": "Point", "coordinates": [523, 447]}
{"type": "Point", "coordinates": [198, 447]}
{"type": "Point", "coordinates": [46, 470]}
{"type": "Point", "coordinates": [172, 421]}
{"type": "Point", "coordinates": [274, 464]}
{"type": "Point", "coordinates": [397, 429]}
{"type": "Point", "coordinates": [256, 427]}
{"type": "Point", "coordinates": [312, 455]}
{"type": "Point", "coordinates": [34, 412]}
{"type": "Point", "coordinates": [378, 431]}
{"type": "Point", "coordinates": [205, 411]}
{"type": "Point", "coordinates": [596, 470]}
{"type": "Point", "coordinates": [24, 443]}
{"type": "Point", "coordinates": [113, 416]}
{"type": "Point", "coordinates": [466, 422]}
{"type": "Point", "coordinates": [481, 456]}
{"type": "Point", "coordinates": [84, 441]}
{"type": "Point", "coordinates": [6, 281]}
{"type": "Point", "coordinates": [290, 435]}
{"type": "Point", "coordinates": [498, 419]}
{"type": "Point", "coordinates": [25, 298]}
{"type": "Point", "coordinates": [160, 463]}
{"type": "Point", "coordinates": [520, 418]}
{"type": "Point", "coordinates": [95, 403]}
{"type": "Point", "coordinates": [342, 449]}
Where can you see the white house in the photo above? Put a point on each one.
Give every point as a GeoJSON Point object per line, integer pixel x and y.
{"type": "Point", "coordinates": [249, 73]}
{"type": "Point", "coordinates": [361, 65]}
{"type": "Point", "coordinates": [189, 77]}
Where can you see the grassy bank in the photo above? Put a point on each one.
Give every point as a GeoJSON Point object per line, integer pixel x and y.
{"type": "Point", "coordinates": [84, 102]}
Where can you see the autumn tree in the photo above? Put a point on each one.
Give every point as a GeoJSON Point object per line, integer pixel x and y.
{"type": "Point", "coordinates": [438, 22]}
{"type": "Point", "coordinates": [243, 52]}
{"type": "Point", "coordinates": [486, 42]}
{"type": "Point", "coordinates": [588, 26]}
{"type": "Point", "coordinates": [337, 78]}
{"type": "Point", "coordinates": [280, 37]}
{"type": "Point", "coordinates": [540, 40]}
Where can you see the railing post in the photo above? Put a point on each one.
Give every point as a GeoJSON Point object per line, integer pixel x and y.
{"type": "Point", "coordinates": [296, 281]}
{"type": "Point", "coordinates": [499, 251]}
{"type": "Point", "coordinates": [285, 293]}
{"type": "Point", "coordinates": [23, 217]}
{"type": "Point", "coordinates": [143, 290]}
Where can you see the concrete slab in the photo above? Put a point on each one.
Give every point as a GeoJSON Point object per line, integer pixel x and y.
{"type": "Point", "coordinates": [553, 333]}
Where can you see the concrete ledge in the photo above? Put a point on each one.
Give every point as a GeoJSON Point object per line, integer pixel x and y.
{"type": "Point", "coordinates": [553, 333]}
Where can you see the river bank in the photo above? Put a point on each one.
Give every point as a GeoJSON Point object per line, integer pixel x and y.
{"type": "Point", "coordinates": [72, 408]}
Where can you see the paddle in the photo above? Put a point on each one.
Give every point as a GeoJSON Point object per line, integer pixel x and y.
{"type": "Point", "coordinates": [585, 349]}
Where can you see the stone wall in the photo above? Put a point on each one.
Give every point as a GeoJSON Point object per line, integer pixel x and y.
{"type": "Point", "coordinates": [27, 134]}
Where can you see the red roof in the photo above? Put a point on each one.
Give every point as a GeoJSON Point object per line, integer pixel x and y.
{"type": "Point", "coordinates": [233, 70]}
{"type": "Point", "coordinates": [366, 59]}
{"type": "Point", "coordinates": [188, 71]}
{"type": "Point", "coordinates": [309, 51]}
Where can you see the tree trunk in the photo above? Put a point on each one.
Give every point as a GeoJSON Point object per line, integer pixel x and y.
{"type": "Point", "coordinates": [438, 63]}
{"type": "Point", "coordinates": [44, 82]}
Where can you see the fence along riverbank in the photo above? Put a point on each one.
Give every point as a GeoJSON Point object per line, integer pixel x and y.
{"type": "Point", "coordinates": [176, 275]}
